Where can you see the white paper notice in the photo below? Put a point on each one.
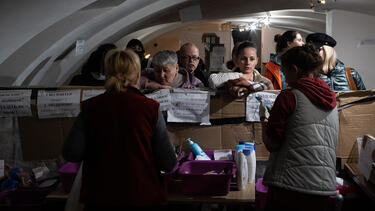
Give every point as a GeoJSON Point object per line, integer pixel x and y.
{"type": "Point", "coordinates": [162, 96]}
{"type": "Point", "coordinates": [87, 94]}
{"type": "Point", "coordinates": [15, 103]}
{"type": "Point", "coordinates": [252, 104]}
{"type": "Point", "coordinates": [217, 57]}
{"type": "Point", "coordinates": [365, 161]}
{"type": "Point", "coordinates": [60, 103]}
{"type": "Point", "coordinates": [190, 106]}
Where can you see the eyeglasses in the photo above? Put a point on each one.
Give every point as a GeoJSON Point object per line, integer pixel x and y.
{"type": "Point", "coordinates": [193, 58]}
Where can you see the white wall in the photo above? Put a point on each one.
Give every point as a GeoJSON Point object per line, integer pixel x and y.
{"type": "Point", "coordinates": [348, 29]}
{"type": "Point", "coordinates": [268, 43]}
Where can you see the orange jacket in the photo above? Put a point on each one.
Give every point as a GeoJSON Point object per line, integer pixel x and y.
{"type": "Point", "coordinates": [273, 73]}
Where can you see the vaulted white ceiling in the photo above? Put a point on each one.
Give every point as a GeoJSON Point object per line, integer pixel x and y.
{"type": "Point", "coordinates": [37, 37]}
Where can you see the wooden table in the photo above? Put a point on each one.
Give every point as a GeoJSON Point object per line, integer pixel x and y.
{"type": "Point", "coordinates": [244, 197]}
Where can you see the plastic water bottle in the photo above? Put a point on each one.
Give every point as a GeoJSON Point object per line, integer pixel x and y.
{"type": "Point", "coordinates": [198, 152]}
{"type": "Point", "coordinates": [249, 152]}
{"type": "Point", "coordinates": [242, 170]}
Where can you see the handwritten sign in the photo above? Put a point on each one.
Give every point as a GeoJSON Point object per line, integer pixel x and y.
{"type": "Point", "coordinates": [87, 94]}
{"type": "Point", "coordinates": [162, 96]}
{"type": "Point", "coordinates": [61, 103]}
{"type": "Point", "coordinates": [15, 103]}
{"type": "Point", "coordinates": [252, 104]}
{"type": "Point", "coordinates": [189, 106]}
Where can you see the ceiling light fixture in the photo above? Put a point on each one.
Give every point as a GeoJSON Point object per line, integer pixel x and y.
{"type": "Point", "coordinates": [254, 24]}
{"type": "Point", "coordinates": [312, 3]}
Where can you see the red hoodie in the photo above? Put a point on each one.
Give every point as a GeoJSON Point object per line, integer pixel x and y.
{"type": "Point", "coordinates": [315, 89]}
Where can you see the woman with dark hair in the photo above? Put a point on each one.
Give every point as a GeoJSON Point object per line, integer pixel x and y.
{"type": "Point", "coordinates": [301, 135]}
{"type": "Point", "coordinates": [285, 41]}
{"type": "Point", "coordinates": [137, 46]}
{"type": "Point", "coordinates": [245, 78]}
{"type": "Point", "coordinates": [92, 73]}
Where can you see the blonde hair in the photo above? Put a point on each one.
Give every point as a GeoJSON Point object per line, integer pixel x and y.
{"type": "Point", "coordinates": [329, 58]}
{"type": "Point", "coordinates": [122, 69]}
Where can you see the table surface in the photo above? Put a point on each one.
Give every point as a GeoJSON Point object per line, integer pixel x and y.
{"type": "Point", "coordinates": [246, 196]}
{"type": "Point", "coordinates": [367, 187]}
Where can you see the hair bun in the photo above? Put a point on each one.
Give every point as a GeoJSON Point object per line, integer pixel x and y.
{"type": "Point", "coordinates": [277, 38]}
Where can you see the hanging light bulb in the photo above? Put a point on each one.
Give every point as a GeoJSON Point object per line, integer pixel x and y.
{"type": "Point", "coordinates": [253, 26]}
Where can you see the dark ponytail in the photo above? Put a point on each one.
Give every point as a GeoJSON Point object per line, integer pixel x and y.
{"type": "Point", "coordinates": [282, 40]}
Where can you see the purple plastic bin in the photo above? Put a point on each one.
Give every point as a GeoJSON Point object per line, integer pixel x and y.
{"type": "Point", "coordinates": [68, 173]}
{"type": "Point", "coordinates": [196, 180]}
{"type": "Point", "coordinates": [210, 154]}
{"type": "Point", "coordinates": [4, 195]}
{"type": "Point", "coordinates": [171, 180]}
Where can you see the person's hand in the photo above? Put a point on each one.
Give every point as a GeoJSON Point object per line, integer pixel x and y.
{"type": "Point", "coordinates": [154, 85]}
{"type": "Point", "coordinates": [240, 82]}
{"type": "Point", "coordinates": [165, 87]}
{"type": "Point", "coordinates": [188, 86]}
{"type": "Point", "coordinates": [263, 112]}
{"type": "Point", "coordinates": [238, 87]}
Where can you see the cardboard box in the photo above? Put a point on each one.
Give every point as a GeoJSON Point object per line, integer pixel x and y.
{"type": "Point", "coordinates": [217, 136]}
{"type": "Point", "coordinates": [224, 106]}
{"type": "Point", "coordinates": [355, 121]}
{"type": "Point", "coordinates": [43, 138]}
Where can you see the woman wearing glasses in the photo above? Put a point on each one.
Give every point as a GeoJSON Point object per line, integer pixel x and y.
{"type": "Point", "coordinates": [166, 73]}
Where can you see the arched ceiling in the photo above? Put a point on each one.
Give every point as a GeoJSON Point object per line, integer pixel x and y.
{"type": "Point", "coordinates": [38, 37]}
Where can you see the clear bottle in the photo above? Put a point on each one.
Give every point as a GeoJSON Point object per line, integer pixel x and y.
{"type": "Point", "coordinates": [249, 152]}
{"type": "Point", "coordinates": [242, 170]}
{"type": "Point", "coordinates": [197, 151]}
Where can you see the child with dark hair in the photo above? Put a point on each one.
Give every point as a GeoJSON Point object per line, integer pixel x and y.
{"type": "Point", "coordinates": [301, 135]}
{"type": "Point", "coordinates": [283, 41]}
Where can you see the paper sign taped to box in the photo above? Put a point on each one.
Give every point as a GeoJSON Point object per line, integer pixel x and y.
{"type": "Point", "coordinates": [87, 94]}
{"type": "Point", "coordinates": [15, 103]}
{"type": "Point", "coordinates": [60, 103]}
{"type": "Point", "coordinates": [189, 105]}
{"type": "Point", "coordinates": [163, 97]}
{"type": "Point", "coordinates": [252, 104]}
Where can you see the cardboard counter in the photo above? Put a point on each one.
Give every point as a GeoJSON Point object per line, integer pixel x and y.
{"type": "Point", "coordinates": [43, 138]}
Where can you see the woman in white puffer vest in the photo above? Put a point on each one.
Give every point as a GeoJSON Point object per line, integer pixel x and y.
{"type": "Point", "coordinates": [301, 135]}
{"type": "Point", "coordinates": [245, 78]}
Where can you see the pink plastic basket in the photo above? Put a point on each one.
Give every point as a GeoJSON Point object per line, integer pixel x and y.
{"type": "Point", "coordinates": [261, 192]}
{"type": "Point", "coordinates": [197, 181]}
{"type": "Point", "coordinates": [68, 173]}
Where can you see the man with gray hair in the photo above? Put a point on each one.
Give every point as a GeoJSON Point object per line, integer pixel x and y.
{"type": "Point", "coordinates": [166, 73]}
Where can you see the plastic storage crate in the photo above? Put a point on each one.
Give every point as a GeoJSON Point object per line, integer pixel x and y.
{"type": "Point", "coordinates": [171, 179]}
{"type": "Point", "coordinates": [206, 177]}
{"type": "Point", "coordinates": [68, 173]}
{"type": "Point", "coordinates": [210, 154]}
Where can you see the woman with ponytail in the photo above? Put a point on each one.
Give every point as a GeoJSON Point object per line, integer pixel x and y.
{"type": "Point", "coordinates": [301, 135]}
{"type": "Point", "coordinates": [122, 140]}
{"type": "Point", "coordinates": [283, 41]}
